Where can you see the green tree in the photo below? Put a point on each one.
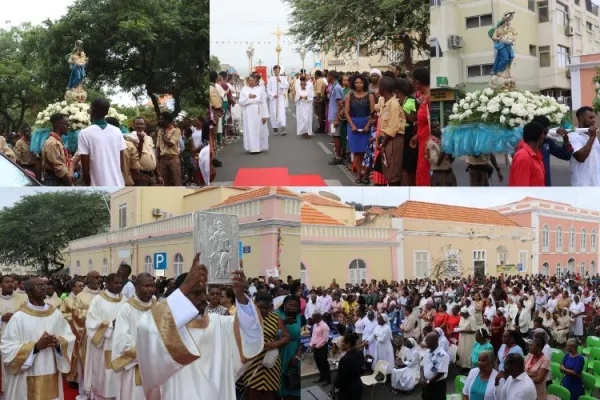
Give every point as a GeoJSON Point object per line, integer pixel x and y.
{"type": "Point", "coordinates": [381, 26]}
{"type": "Point", "coordinates": [37, 230]}
{"type": "Point", "coordinates": [151, 47]}
{"type": "Point", "coordinates": [215, 63]}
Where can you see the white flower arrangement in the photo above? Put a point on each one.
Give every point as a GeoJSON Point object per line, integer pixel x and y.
{"type": "Point", "coordinates": [181, 116]}
{"type": "Point", "coordinates": [78, 113]}
{"type": "Point", "coordinates": [510, 109]}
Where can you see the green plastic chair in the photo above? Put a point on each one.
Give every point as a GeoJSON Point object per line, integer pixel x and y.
{"type": "Point", "coordinates": [594, 356]}
{"type": "Point", "coordinates": [459, 383]}
{"type": "Point", "coordinates": [589, 382]}
{"type": "Point", "coordinates": [591, 342]}
{"type": "Point", "coordinates": [556, 374]}
{"type": "Point", "coordinates": [596, 373]}
{"type": "Point", "coordinates": [587, 398]}
{"type": "Point", "coordinates": [557, 355]}
{"type": "Point", "coordinates": [561, 392]}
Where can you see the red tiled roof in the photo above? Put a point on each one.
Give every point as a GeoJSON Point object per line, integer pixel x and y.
{"type": "Point", "coordinates": [443, 212]}
{"type": "Point", "coordinates": [310, 215]}
{"type": "Point", "coordinates": [258, 193]}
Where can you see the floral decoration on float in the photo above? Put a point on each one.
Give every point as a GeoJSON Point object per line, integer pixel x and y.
{"type": "Point", "coordinates": [491, 121]}
{"type": "Point", "coordinates": [79, 118]}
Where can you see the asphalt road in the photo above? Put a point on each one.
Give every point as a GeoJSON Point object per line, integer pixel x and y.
{"type": "Point", "coordinates": [311, 156]}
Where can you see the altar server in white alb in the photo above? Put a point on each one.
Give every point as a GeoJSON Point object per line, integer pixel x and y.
{"type": "Point", "coordinates": [100, 379]}
{"type": "Point", "coordinates": [304, 109]}
{"type": "Point", "coordinates": [276, 88]}
{"type": "Point", "coordinates": [36, 347]}
{"type": "Point", "coordinates": [201, 355]}
{"type": "Point", "coordinates": [254, 116]}
{"type": "Point", "coordinates": [124, 343]}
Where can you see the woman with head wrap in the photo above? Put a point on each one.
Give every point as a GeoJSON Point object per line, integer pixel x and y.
{"type": "Point", "coordinates": [442, 341]}
{"type": "Point", "coordinates": [380, 342]}
{"type": "Point", "coordinates": [406, 376]}
{"type": "Point", "coordinates": [466, 338]}
{"type": "Point", "coordinates": [482, 343]}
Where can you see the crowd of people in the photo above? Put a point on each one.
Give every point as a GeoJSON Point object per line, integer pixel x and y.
{"type": "Point", "coordinates": [105, 334]}
{"type": "Point", "coordinates": [499, 332]}
{"type": "Point", "coordinates": [173, 153]}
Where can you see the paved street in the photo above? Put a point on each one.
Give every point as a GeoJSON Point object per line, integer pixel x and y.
{"type": "Point", "coordinates": [310, 156]}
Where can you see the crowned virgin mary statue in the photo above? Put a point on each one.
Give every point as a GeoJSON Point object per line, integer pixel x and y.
{"type": "Point", "coordinates": [504, 37]}
{"type": "Point", "coordinates": [77, 62]}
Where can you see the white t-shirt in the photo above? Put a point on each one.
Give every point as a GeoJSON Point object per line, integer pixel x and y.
{"type": "Point", "coordinates": [104, 147]}
{"type": "Point", "coordinates": [588, 172]}
{"type": "Point", "coordinates": [197, 137]}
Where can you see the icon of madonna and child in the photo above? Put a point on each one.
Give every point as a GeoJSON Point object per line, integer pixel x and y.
{"type": "Point", "coordinates": [77, 63]}
{"type": "Point", "coordinates": [504, 37]}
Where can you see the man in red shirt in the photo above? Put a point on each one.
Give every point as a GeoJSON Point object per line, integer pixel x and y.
{"type": "Point", "coordinates": [527, 168]}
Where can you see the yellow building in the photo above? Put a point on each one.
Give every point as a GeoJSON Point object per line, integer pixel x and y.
{"type": "Point", "coordinates": [152, 220]}
{"type": "Point", "coordinates": [549, 33]}
{"type": "Point", "coordinates": [414, 240]}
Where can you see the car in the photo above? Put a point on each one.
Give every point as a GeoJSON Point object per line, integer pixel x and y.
{"type": "Point", "coordinates": [12, 175]}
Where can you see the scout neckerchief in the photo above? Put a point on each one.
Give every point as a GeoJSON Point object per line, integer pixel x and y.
{"type": "Point", "coordinates": [100, 122]}
{"type": "Point", "coordinates": [66, 153]}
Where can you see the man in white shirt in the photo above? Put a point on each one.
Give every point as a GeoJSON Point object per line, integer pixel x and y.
{"type": "Point", "coordinates": [435, 369]}
{"type": "Point", "coordinates": [277, 86]}
{"type": "Point", "coordinates": [101, 147]}
{"type": "Point", "coordinates": [311, 307]}
{"type": "Point", "coordinates": [585, 163]}
{"type": "Point", "coordinates": [128, 287]}
{"type": "Point", "coordinates": [519, 385]}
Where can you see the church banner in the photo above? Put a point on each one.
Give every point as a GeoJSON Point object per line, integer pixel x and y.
{"type": "Point", "coordinates": [511, 269]}
{"type": "Point", "coordinates": [263, 72]}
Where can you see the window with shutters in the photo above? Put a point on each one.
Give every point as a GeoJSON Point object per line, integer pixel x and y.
{"type": "Point", "coordinates": [303, 275]}
{"type": "Point", "coordinates": [77, 268]}
{"type": "Point", "coordinates": [358, 271]}
{"type": "Point", "coordinates": [583, 244]}
{"type": "Point", "coordinates": [572, 239]}
{"type": "Point", "coordinates": [123, 216]}
{"type": "Point", "coordinates": [559, 239]}
{"type": "Point", "coordinates": [545, 238]}
{"type": "Point", "coordinates": [523, 254]}
{"type": "Point", "coordinates": [178, 265]}
{"type": "Point", "coordinates": [593, 240]}
{"type": "Point", "coordinates": [421, 266]}
{"type": "Point", "coordinates": [148, 264]}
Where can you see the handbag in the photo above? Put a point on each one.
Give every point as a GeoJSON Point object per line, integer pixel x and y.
{"type": "Point", "coordinates": [291, 380]}
{"type": "Point", "coordinates": [270, 358]}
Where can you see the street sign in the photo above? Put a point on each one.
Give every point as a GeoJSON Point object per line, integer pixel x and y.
{"type": "Point", "coordinates": [247, 249]}
{"type": "Point", "coordinates": [160, 261]}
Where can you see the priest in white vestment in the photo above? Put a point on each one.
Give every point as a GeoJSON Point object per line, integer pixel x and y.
{"type": "Point", "coordinates": [80, 311]}
{"type": "Point", "coordinates": [252, 100]}
{"type": "Point", "coordinates": [276, 88]}
{"type": "Point", "coordinates": [10, 302]}
{"type": "Point", "coordinates": [124, 344]}
{"type": "Point", "coordinates": [304, 109]}
{"type": "Point", "coordinates": [36, 348]}
{"type": "Point", "coordinates": [200, 355]}
{"type": "Point", "coordinates": [100, 380]}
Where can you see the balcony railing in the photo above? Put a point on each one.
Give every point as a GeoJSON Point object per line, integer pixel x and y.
{"type": "Point", "coordinates": [351, 233]}
{"type": "Point", "coordinates": [591, 7]}
{"type": "Point", "coordinates": [158, 228]}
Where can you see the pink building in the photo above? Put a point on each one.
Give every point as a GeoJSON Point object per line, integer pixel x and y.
{"type": "Point", "coordinates": [583, 69]}
{"type": "Point", "coordinates": [566, 236]}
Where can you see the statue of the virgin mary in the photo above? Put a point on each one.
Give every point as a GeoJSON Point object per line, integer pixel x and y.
{"type": "Point", "coordinates": [77, 62]}
{"type": "Point", "coordinates": [504, 37]}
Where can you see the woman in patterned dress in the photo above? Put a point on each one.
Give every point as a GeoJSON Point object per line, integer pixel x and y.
{"type": "Point", "coordinates": [262, 382]}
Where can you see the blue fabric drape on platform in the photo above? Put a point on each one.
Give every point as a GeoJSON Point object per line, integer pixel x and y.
{"type": "Point", "coordinates": [475, 139]}
{"type": "Point", "coordinates": [39, 136]}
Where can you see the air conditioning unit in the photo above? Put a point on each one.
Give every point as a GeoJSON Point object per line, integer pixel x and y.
{"type": "Point", "coordinates": [455, 42]}
{"type": "Point", "coordinates": [569, 30]}
{"type": "Point", "coordinates": [157, 212]}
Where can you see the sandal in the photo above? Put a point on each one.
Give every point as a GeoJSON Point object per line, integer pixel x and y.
{"type": "Point", "coordinates": [366, 180]}
{"type": "Point", "coordinates": [359, 180]}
